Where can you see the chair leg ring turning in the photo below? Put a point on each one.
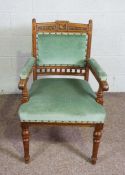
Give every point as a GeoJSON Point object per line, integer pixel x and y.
{"type": "Point", "coordinates": [96, 141]}
{"type": "Point", "coordinates": [25, 137]}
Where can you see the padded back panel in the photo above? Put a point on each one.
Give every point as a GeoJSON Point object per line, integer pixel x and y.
{"type": "Point", "coordinates": [66, 49]}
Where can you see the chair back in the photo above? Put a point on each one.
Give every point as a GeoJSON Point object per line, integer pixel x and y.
{"type": "Point", "coordinates": [61, 47]}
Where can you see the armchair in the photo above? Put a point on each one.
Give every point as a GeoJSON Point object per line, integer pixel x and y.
{"type": "Point", "coordinates": [62, 48]}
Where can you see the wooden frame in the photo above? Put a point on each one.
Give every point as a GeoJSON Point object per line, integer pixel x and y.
{"type": "Point", "coordinates": [96, 135]}
{"type": "Point", "coordinates": [62, 26]}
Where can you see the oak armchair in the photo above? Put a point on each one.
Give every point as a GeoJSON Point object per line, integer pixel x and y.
{"type": "Point", "coordinates": [62, 48]}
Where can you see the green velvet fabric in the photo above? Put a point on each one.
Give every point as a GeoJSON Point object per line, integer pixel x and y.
{"type": "Point", "coordinates": [27, 68]}
{"type": "Point", "coordinates": [61, 49]}
{"type": "Point", "coordinates": [61, 100]}
{"type": "Point", "coordinates": [98, 70]}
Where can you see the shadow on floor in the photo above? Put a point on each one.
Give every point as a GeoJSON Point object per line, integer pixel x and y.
{"type": "Point", "coordinates": [10, 125]}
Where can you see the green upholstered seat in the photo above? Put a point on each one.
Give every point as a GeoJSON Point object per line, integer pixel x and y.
{"type": "Point", "coordinates": [66, 49]}
{"type": "Point", "coordinates": [61, 100]}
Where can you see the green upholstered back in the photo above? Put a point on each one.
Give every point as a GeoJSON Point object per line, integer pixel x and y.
{"type": "Point", "coordinates": [61, 49]}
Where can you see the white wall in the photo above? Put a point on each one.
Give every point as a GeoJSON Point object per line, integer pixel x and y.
{"type": "Point", "coordinates": [108, 45]}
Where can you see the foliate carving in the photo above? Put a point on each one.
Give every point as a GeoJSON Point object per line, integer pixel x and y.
{"type": "Point", "coordinates": [76, 28]}
{"type": "Point", "coordinates": [62, 27]}
{"type": "Point", "coordinates": [59, 26]}
{"type": "Point", "coordinates": [46, 28]}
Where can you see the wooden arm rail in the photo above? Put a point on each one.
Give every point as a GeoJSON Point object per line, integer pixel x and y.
{"type": "Point", "coordinates": [103, 86]}
{"type": "Point", "coordinates": [23, 86]}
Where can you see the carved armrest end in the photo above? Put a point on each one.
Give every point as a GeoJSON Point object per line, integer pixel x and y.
{"type": "Point", "coordinates": [23, 86]}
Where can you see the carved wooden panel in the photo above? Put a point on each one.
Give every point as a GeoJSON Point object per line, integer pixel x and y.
{"type": "Point", "coordinates": [45, 27]}
{"type": "Point", "coordinates": [61, 26]}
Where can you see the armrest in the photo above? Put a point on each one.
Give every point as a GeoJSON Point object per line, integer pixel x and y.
{"type": "Point", "coordinates": [27, 69]}
{"type": "Point", "coordinates": [99, 74]}
{"type": "Point", "coordinates": [101, 77]}
{"type": "Point", "coordinates": [24, 76]}
{"type": "Point", "coordinates": [97, 69]}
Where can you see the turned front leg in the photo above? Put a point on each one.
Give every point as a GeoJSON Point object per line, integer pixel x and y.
{"type": "Point", "coordinates": [96, 141]}
{"type": "Point", "coordinates": [25, 137]}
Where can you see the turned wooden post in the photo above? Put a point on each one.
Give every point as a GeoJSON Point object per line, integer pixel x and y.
{"type": "Point", "coordinates": [25, 137]}
{"type": "Point", "coordinates": [96, 141]}
{"type": "Point", "coordinates": [34, 48]}
{"type": "Point", "coordinates": [88, 49]}
{"type": "Point", "coordinates": [99, 94]}
{"type": "Point", "coordinates": [25, 95]}
{"type": "Point", "coordinates": [23, 86]}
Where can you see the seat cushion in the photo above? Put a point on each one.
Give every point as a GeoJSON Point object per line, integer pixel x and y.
{"type": "Point", "coordinates": [61, 100]}
{"type": "Point", "coordinates": [61, 49]}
